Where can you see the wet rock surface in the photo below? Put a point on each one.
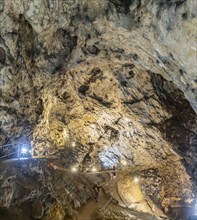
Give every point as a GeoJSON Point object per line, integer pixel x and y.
{"type": "Point", "coordinates": [94, 84]}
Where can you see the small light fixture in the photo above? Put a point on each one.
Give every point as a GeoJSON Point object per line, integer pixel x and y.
{"type": "Point", "coordinates": [124, 162]}
{"type": "Point", "coordinates": [94, 169]}
{"type": "Point", "coordinates": [24, 150]}
{"type": "Point", "coordinates": [189, 200]}
{"type": "Point", "coordinates": [73, 144]}
{"type": "Point", "coordinates": [74, 169]}
{"type": "Point", "coordinates": [136, 179]}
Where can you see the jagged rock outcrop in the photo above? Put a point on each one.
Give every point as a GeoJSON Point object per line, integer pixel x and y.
{"type": "Point", "coordinates": [94, 83]}
{"type": "Point", "coordinates": [40, 191]}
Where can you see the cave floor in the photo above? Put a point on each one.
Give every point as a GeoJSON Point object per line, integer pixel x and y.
{"type": "Point", "coordinates": [109, 197]}
{"type": "Point", "coordinates": [107, 203]}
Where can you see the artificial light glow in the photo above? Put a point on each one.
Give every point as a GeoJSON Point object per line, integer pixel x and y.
{"type": "Point", "coordinates": [136, 179]}
{"type": "Point", "coordinates": [189, 200]}
{"type": "Point", "coordinates": [24, 150]}
{"type": "Point", "coordinates": [73, 144]}
{"type": "Point", "coordinates": [55, 167]}
{"type": "Point", "coordinates": [74, 169]}
{"type": "Point", "coordinates": [124, 162]}
{"type": "Point", "coordinates": [132, 205]}
{"type": "Point", "coordinates": [93, 169]}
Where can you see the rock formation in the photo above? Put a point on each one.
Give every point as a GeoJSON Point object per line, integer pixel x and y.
{"type": "Point", "coordinates": [95, 83]}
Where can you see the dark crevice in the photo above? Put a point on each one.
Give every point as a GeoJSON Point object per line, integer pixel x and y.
{"type": "Point", "coordinates": [135, 101]}
{"type": "Point", "coordinates": [180, 128]}
{"type": "Point", "coordinates": [83, 89]}
{"type": "Point", "coordinates": [2, 56]}
{"type": "Point", "coordinates": [122, 6]}
{"type": "Point", "coordinates": [26, 40]}
{"type": "Point", "coordinates": [101, 100]}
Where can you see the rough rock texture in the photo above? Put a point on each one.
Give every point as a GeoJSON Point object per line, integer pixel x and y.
{"type": "Point", "coordinates": [41, 192]}
{"type": "Point", "coordinates": [100, 82]}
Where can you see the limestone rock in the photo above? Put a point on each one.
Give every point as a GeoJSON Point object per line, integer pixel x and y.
{"type": "Point", "coordinates": [94, 83]}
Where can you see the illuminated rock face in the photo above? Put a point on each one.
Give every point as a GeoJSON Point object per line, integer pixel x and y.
{"type": "Point", "coordinates": [97, 83]}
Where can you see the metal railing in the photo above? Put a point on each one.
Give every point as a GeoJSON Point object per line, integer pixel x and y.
{"type": "Point", "coordinates": [5, 145]}
{"type": "Point", "coordinates": [11, 152]}
{"type": "Point", "coordinates": [8, 155]}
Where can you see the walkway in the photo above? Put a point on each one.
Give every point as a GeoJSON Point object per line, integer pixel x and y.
{"type": "Point", "coordinates": [88, 211]}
